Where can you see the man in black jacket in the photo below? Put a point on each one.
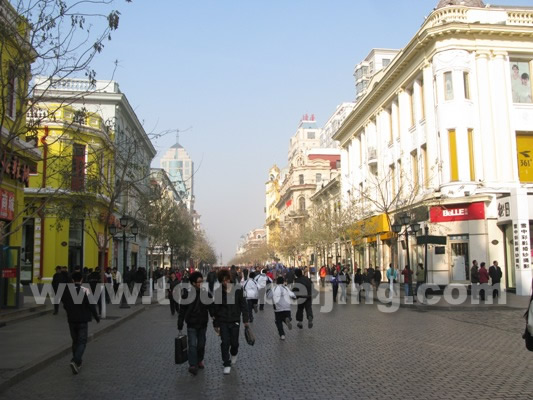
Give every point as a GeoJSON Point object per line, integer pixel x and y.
{"type": "Point", "coordinates": [495, 273]}
{"type": "Point", "coordinates": [195, 312]}
{"type": "Point", "coordinates": [58, 278]}
{"type": "Point", "coordinates": [79, 312]}
{"type": "Point", "coordinates": [229, 305]}
{"type": "Point", "coordinates": [303, 289]}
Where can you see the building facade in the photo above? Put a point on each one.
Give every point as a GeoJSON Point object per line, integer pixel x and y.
{"type": "Point", "coordinates": [444, 134]}
{"type": "Point", "coordinates": [132, 154]}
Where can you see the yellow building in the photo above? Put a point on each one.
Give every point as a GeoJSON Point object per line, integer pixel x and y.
{"type": "Point", "coordinates": [72, 190]}
{"type": "Point", "coordinates": [17, 157]}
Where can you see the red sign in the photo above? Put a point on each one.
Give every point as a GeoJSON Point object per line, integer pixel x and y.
{"type": "Point", "coordinates": [9, 273]}
{"type": "Point", "coordinates": [457, 212]}
{"type": "Point", "coordinates": [7, 205]}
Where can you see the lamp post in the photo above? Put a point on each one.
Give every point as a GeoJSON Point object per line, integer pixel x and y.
{"type": "Point", "coordinates": [134, 229]}
{"type": "Point", "coordinates": [405, 220]}
{"type": "Point", "coordinates": [426, 231]}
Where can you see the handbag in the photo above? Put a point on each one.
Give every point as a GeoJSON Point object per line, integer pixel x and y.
{"type": "Point", "coordinates": [180, 349]}
{"type": "Point", "coordinates": [249, 335]}
{"type": "Point", "coordinates": [528, 339]}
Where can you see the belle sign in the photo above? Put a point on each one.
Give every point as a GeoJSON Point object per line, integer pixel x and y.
{"type": "Point", "coordinates": [457, 212]}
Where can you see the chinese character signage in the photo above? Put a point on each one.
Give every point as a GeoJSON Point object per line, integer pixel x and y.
{"type": "Point", "coordinates": [521, 240]}
{"type": "Point", "coordinates": [7, 205]}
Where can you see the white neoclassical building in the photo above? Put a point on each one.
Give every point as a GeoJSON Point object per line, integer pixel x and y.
{"type": "Point", "coordinates": [445, 135]}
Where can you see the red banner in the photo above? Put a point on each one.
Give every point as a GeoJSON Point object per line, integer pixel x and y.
{"type": "Point", "coordinates": [288, 203]}
{"type": "Point", "coordinates": [9, 273]}
{"type": "Point", "coordinates": [457, 212]}
{"type": "Point", "coordinates": [7, 205]}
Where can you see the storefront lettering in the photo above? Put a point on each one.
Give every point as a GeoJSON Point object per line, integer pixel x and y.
{"type": "Point", "coordinates": [16, 169]}
{"type": "Point", "coordinates": [455, 213]}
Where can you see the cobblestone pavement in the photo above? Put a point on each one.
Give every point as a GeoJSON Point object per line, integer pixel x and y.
{"type": "Point", "coordinates": [355, 351]}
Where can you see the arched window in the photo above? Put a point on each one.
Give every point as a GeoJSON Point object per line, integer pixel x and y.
{"type": "Point", "coordinates": [301, 203]}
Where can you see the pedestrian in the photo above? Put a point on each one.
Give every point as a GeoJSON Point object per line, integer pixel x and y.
{"type": "Point", "coordinates": [303, 288]}
{"type": "Point", "coordinates": [392, 276]}
{"type": "Point", "coordinates": [117, 279]}
{"type": "Point", "coordinates": [108, 280]}
{"type": "Point", "coordinates": [377, 277]}
{"type": "Point", "coordinates": [289, 276]}
{"type": "Point", "coordinates": [358, 281]}
{"type": "Point", "coordinates": [251, 292]}
{"type": "Point", "coordinates": [58, 279]}
{"type": "Point", "coordinates": [94, 280]}
{"type": "Point", "coordinates": [172, 283]}
{"type": "Point", "coordinates": [335, 283]}
{"type": "Point", "coordinates": [342, 285]}
{"type": "Point", "coordinates": [323, 272]}
{"type": "Point", "coordinates": [234, 275]}
{"type": "Point", "coordinates": [79, 313]}
{"type": "Point", "coordinates": [262, 280]}
{"type": "Point", "coordinates": [474, 279]}
{"type": "Point", "coordinates": [483, 279]}
{"type": "Point", "coordinates": [407, 279]}
{"type": "Point", "coordinates": [227, 318]}
{"type": "Point", "coordinates": [281, 296]}
{"type": "Point", "coordinates": [420, 278]}
{"type": "Point", "coordinates": [194, 311]}
{"type": "Point", "coordinates": [495, 273]}
{"type": "Point", "coordinates": [211, 279]}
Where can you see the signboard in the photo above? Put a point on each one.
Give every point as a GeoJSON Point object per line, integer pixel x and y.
{"type": "Point", "coordinates": [457, 212]}
{"type": "Point", "coordinates": [522, 253]}
{"type": "Point", "coordinates": [524, 147]}
{"type": "Point", "coordinates": [429, 239]}
{"type": "Point", "coordinates": [7, 205]}
{"type": "Point", "coordinates": [9, 273]}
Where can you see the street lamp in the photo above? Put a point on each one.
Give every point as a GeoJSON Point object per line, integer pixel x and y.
{"type": "Point", "coordinates": [405, 220]}
{"type": "Point", "coordinates": [134, 230]}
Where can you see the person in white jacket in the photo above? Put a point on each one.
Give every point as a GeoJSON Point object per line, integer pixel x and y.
{"type": "Point", "coordinates": [262, 281]}
{"type": "Point", "coordinates": [281, 297]}
{"type": "Point", "coordinates": [251, 292]}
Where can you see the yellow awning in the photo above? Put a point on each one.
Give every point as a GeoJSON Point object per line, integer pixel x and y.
{"type": "Point", "coordinates": [371, 226]}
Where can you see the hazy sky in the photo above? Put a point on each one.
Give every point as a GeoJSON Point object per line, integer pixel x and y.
{"type": "Point", "coordinates": [242, 73]}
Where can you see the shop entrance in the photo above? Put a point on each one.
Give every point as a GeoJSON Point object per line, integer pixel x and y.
{"type": "Point", "coordinates": [459, 261]}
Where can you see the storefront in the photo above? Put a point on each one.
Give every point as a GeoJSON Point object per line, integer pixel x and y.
{"type": "Point", "coordinates": [466, 232]}
{"type": "Point", "coordinates": [515, 223]}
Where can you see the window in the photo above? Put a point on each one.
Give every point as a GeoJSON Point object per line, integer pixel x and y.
{"type": "Point", "coordinates": [301, 203]}
{"type": "Point", "coordinates": [422, 99]}
{"type": "Point", "coordinates": [389, 116]}
{"type": "Point", "coordinates": [78, 167]}
{"type": "Point", "coordinates": [386, 62]}
{"type": "Point", "coordinates": [426, 166]}
{"type": "Point", "coordinates": [448, 86]}
{"type": "Point", "coordinates": [410, 93]}
{"type": "Point", "coordinates": [520, 80]}
{"type": "Point", "coordinates": [466, 82]}
{"type": "Point", "coordinates": [471, 154]}
{"type": "Point", "coordinates": [11, 92]}
{"type": "Point", "coordinates": [310, 135]}
{"type": "Point", "coordinates": [414, 168]}
{"type": "Point", "coordinates": [452, 144]}
{"type": "Point", "coordinates": [318, 178]}
{"type": "Point", "coordinates": [392, 177]}
{"type": "Point", "coordinates": [301, 179]}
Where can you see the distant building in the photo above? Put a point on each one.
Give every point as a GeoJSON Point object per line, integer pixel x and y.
{"type": "Point", "coordinates": [376, 61]}
{"type": "Point", "coordinates": [180, 168]}
{"type": "Point", "coordinates": [333, 124]}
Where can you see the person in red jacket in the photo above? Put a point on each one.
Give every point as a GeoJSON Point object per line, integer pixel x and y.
{"type": "Point", "coordinates": [483, 278]}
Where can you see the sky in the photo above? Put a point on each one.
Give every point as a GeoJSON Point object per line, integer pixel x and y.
{"type": "Point", "coordinates": [240, 74]}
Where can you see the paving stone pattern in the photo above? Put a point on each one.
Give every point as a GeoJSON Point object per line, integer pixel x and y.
{"type": "Point", "coordinates": [355, 351]}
